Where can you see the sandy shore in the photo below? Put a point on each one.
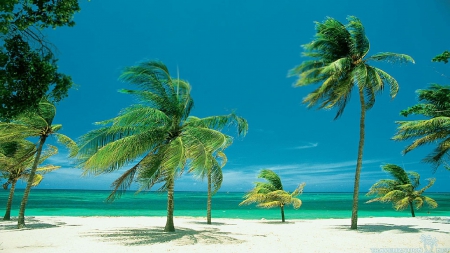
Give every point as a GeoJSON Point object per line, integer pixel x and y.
{"type": "Point", "coordinates": [144, 234]}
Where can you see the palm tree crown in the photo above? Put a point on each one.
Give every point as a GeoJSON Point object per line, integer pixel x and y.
{"type": "Point", "coordinates": [402, 190]}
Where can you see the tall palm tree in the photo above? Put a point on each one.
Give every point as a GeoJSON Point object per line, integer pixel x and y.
{"type": "Point", "coordinates": [16, 159]}
{"type": "Point", "coordinates": [157, 135]}
{"type": "Point", "coordinates": [435, 107]}
{"type": "Point", "coordinates": [339, 62]}
{"type": "Point", "coordinates": [401, 190]}
{"type": "Point", "coordinates": [271, 193]}
{"type": "Point", "coordinates": [35, 124]}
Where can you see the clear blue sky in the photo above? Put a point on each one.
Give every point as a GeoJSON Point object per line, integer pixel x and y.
{"type": "Point", "coordinates": [236, 55]}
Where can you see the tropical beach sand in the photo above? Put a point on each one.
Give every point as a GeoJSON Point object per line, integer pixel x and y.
{"type": "Point", "coordinates": [61, 234]}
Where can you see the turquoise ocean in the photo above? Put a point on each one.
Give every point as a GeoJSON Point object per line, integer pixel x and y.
{"type": "Point", "coordinates": [224, 205]}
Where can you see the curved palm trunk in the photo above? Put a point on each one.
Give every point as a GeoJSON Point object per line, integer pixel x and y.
{"type": "Point", "coordinates": [354, 224]}
{"type": "Point", "coordinates": [170, 206]}
{"type": "Point", "coordinates": [282, 213]}
{"type": "Point", "coordinates": [412, 209]}
{"type": "Point", "coordinates": [21, 219]}
{"type": "Point", "coordinates": [10, 199]}
{"type": "Point", "coordinates": [208, 204]}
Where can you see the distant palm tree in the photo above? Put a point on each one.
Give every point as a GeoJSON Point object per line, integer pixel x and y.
{"type": "Point", "coordinates": [338, 61]}
{"type": "Point", "coordinates": [271, 194]}
{"type": "Point", "coordinates": [157, 135]}
{"type": "Point", "coordinates": [401, 190]}
{"type": "Point", "coordinates": [214, 176]}
{"type": "Point", "coordinates": [15, 160]}
{"type": "Point", "coordinates": [35, 124]}
{"type": "Point", "coordinates": [435, 129]}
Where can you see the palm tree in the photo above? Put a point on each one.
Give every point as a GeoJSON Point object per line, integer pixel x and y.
{"type": "Point", "coordinates": [339, 62]}
{"type": "Point", "coordinates": [15, 159]}
{"type": "Point", "coordinates": [214, 176]}
{"type": "Point", "coordinates": [158, 135]}
{"type": "Point", "coordinates": [271, 194]}
{"type": "Point", "coordinates": [35, 124]}
{"type": "Point", "coordinates": [434, 129]}
{"type": "Point", "coordinates": [401, 190]}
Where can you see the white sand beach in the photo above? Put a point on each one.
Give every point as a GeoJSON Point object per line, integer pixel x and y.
{"type": "Point", "coordinates": [144, 234]}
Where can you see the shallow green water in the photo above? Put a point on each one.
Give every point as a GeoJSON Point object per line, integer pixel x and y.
{"type": "Point", "coordinates": [225, 205]}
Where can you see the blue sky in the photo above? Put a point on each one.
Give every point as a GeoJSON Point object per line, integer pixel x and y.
{"type": "Point", "coordinates": [236, 55]}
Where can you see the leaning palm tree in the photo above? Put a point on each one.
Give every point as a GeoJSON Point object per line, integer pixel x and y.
{"type": "Point", "coordinates": [271, 194]}
{"type": "Point", "coordinates": [35, 124]}
{"type": "Point", "coordinates": [16, 159]}
{"type": "Point", "coordinates": [435, 107]}
{"type": "Point", "coordinates": [158, 136]}
{"type": "Point", "coordinates": [339, 62]}
{"type": "Point", "coordinates": [401, 190]}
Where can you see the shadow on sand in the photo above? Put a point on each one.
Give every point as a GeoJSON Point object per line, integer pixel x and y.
{"type": "Point", "coordinates": [383, 227]}
{"type": "Point", "coordinates": [182, 236]}
{"type": "Point", "coordinates": [30, 223]}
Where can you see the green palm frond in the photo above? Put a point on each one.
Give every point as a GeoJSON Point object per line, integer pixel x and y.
{"type": "Point", "coordinates": [296, 203]}
{"type": "Point", "coordinates": [298, 190]}
{"type": "Point", "coordinates": [68, 143]}
{"type": "Point", "coordinates": [220, 122]}
{"type": "Point", "coordinates": [391, 57]}
{"type": "Point", "coordinates": [430, 202]}
{"type": "Point", "coordinates": [269, 204]}
{"type": "Point", "coordinates": [397, 172]}
{"type": "Point", "coordinates": [401, 204]}
{"type": "Point", "coordinates": [360, 44]}
{"type": "Point", "coordinates": [388, 79]}
{"type": "Point", "coordinates": [272, 177]}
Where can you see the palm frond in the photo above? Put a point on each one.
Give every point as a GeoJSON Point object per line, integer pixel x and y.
{"type": "Point", "coordinates": [68, 143]}
{"type": "Point", "coordinates": [391, 57]}
{"type": "Point", "coordinates": [360, 44]}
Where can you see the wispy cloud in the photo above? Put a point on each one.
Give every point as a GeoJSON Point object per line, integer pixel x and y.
{"type": "Point", "coordinates": [307, 145]}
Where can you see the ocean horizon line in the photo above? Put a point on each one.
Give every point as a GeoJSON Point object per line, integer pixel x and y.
{"type": "Point", "coordinates": [156, 191]}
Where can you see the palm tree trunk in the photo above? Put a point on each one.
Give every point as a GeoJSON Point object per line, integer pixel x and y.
{"type": "Point", "coordinates": [10, 199]}
{"type": "Point", "coordinates": [282, 213]}
{"type": "Point", "coordinates": [412, 209]}
{"type": "Point", "coordinates": [354, 224]}
{"type": "Point", "coordinates": [208, 204]}
{"type": "Point", "coordinates": [170, 206]}
{"type": "Point", "coordinates": [21, 219]}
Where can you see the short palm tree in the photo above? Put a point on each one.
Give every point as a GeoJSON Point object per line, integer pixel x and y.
{"type": "Point", "coordinates": [339, 61]}
{"type": "Point", "coordinates": [271, 194]}
{"type": "Point", "coordinates": [401, 190]}
{"type": "Point", "coordinates": [16, 159]}
{"type": "Point", "coordinates": [35, 124]}
{"type": "Point", "coordinates": [435, 107]}
{"type": "Point", "coordinates": [158, 136]}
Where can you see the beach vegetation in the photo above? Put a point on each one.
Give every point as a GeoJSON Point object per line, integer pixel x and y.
{"type": "Point", "coordinates": [158, 136]}
{"type": "Point", "coordinates": [28, 68]}
{"type": "Point", "coordinates": [338, 60]}
{"type": "Point", "coordinates": [37, 124]}
{"type": "Point", "coordinates": [270, 194]}
{"type": "Point", "coordinates": [16, 160]}
{"type": "Point", "coordinates": [402, 191]}
{"type": "Point", "coordinates": [434, 106]}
